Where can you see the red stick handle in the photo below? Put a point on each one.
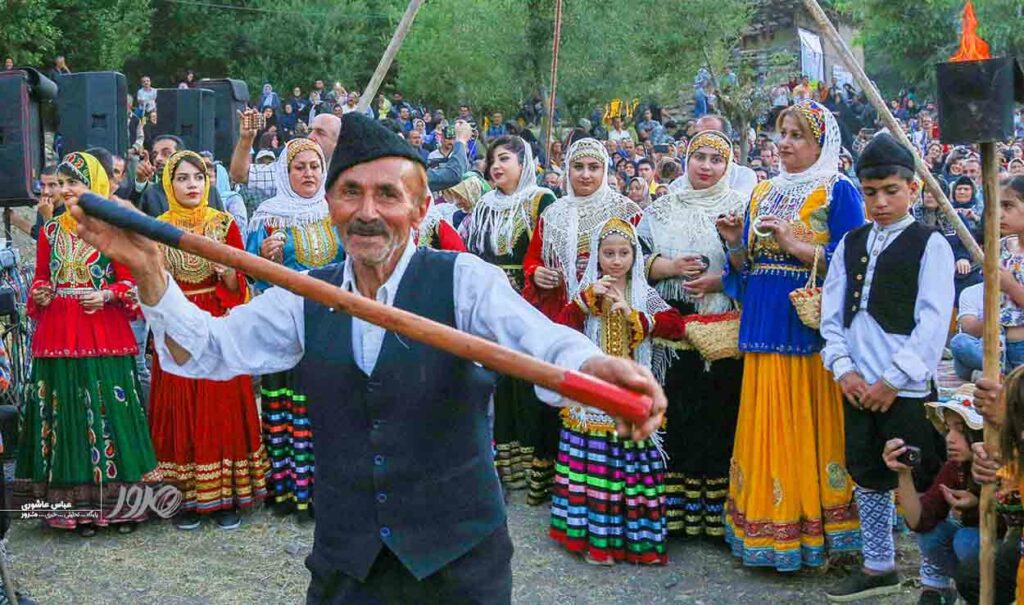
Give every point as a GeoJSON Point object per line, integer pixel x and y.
{"type": "Point", "coordinates": [628, 405]}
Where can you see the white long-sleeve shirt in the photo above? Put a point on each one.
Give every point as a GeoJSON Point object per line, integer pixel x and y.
{"type": "Point", "coordinates": [905, 362]}
{"type": "Point", "coordinates": [267, 334]}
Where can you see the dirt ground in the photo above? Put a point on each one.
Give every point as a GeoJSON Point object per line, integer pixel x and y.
{"type": "Point", "coordinates": [262, 563]}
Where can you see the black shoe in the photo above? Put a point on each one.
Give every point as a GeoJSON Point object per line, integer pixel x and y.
{"type": "Point", "coordinates": [934, 597]}
{"type": "Point", "coordinates": [187, 521]}
{"type": "Point", "coordinates": [227, 519]}
{"type": "Point", "coordinates": [283, 509]}
{"type": "Point", "coordinates": [862, 585]}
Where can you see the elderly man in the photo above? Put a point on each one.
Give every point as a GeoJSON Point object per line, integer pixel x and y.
{"type": "Point", "coordinates": [259, 179]}
{"type": "Point", "coordinates": [409, 509]}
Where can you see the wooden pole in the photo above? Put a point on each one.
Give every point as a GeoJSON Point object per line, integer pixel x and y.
{"type": "Point", "coordinates": [612, 399]}
{"type": "Point", "coordinates": [991, 360]}
{"type": "Point", "coordinates": [865, 83]}
{"type": "Point", "coordinates": [389, 55]}
{"type": "Point", "coordinates": [555, 44]}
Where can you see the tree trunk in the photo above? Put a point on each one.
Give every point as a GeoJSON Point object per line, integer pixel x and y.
{"type": "Point", "coordinates": [744, 126]}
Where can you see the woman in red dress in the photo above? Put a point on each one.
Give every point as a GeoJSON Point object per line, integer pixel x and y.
{"type": "Point", "coordinates": [206, 432]}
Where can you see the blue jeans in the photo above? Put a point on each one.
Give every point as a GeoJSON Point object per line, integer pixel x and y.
{"type": "Point", "coordinates": [141, 330]}
{"type": "Point", "coordinates": [967, 355]}
{"type": "Point", "coordinates": [942, 548]}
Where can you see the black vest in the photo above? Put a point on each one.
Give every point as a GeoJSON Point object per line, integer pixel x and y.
{"type": "Point", "coordinates": [894, 283]}
{"type": "Point", "coordinates": [403, 456]}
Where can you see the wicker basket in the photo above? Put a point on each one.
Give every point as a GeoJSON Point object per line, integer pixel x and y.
{"type": "Point", "coordinates": [715, 336]}
{"type": "Point", "coordinates": [807, 300]}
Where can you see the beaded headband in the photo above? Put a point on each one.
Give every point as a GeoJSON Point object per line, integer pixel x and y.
{"type": "Point", "coordinates": [713, 139]}
{"type": "Point", "coordinates": [75, 165]}
{"type": "Point", "coordinates": [814, 113]}
{"type": "Point", "coordinates": [297, 146]}
{"type": "Point", "coordinates": [617, 226]}
{"type": "Point", "coordinates": [588, 148]}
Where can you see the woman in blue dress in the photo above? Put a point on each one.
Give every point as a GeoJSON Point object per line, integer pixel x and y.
{"type": "Point", "coordinates": [293, 228]}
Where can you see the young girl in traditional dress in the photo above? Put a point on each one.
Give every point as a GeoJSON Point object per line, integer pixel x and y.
{"type": "Point", "coordinates": [609, 495]}
{"type": "Point", "coordinates": [84, 436]}
{"type": "Point", "coordinates": [206, 433]}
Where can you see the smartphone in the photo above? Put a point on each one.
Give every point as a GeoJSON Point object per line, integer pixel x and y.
{"type": "Point", "coordinates": [661, 148]}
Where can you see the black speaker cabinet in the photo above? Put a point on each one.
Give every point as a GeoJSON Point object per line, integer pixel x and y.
{"type": "Point", "coordinates": [22, 151]}
{"type": "Point", "coordinates": [229, 98]}
{"type": "Point", "coordinates": [187, 113]}
{"type": "Point", "coordinates": [93, 109]}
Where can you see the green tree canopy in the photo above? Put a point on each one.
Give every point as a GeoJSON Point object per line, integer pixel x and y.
{"type": "Point", "coordinates": [904, 39]}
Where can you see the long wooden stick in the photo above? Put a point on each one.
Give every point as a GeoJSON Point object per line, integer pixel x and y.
{"type": "Point", "coordinates": [389, 55]}
{"type": "Point", "coordinates": [865, 83]}
{"type": "Point", "coordinates": [556, 42]}
{"type": "Point", "coordinates": [991, 361]}
{"type": "Point", "coordinates": [614, 400]}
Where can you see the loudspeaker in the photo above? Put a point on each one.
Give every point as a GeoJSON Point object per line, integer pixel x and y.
{"type": "Point", "coordinates": [93, 109]}
{"type": "Point", "coordinates": [22, 151]}
{"type": "Point", "coordinates": [187, 113]}
{"type": "Point", "coordinates": [229, 98]}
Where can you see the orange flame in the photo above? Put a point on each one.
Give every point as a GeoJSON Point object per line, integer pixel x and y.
{"type": "Point", "coordinates": [972, 47]}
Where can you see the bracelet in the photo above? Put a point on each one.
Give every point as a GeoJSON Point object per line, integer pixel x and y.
{"type": "Point", "coordinates": [890, 385]}
{"type": "Point", "coordinates": [730, 249]}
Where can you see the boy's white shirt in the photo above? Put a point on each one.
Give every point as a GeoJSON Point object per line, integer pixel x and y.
{"type": "Point", "coordinates": [905, 362]}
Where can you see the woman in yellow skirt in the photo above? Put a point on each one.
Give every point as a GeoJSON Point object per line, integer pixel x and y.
{"type": "Point", "coordinates": [790, 499]}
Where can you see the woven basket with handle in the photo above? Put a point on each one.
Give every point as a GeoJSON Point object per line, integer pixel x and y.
{"type": "Point", "coordinates": [807, 300]}
{"type": "Point", "coordinates": [715, 336]}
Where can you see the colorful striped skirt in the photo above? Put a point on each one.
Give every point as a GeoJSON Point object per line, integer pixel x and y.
{"type": "Point", "coordinates": [289, 441]}
{"type": "Point", "coordinates": [790, 499]}
{"type": "Point", "coordinates": [84, 442]}
{"type": "Point", "coordinates": [608, 502]}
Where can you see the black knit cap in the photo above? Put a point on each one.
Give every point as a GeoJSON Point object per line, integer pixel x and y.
{"type": "Point", "coordinates": [363, 139]}
{"type": "Point", "coordinates": [884, 150]}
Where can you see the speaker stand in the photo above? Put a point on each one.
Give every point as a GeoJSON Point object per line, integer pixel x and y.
{"type": "Point", "coordinates": [8, 232]}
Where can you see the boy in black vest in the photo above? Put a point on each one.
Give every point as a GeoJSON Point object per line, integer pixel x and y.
{"type": "Point", "coordinates": [886, 305]}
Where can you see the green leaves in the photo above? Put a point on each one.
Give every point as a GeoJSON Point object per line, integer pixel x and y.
{"type": "Point", "coordinates": [904, 39]}
{"type": "Point", "coordinates": [27, 34]}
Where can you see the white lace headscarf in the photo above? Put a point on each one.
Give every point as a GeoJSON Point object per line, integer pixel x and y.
{"type": "Point", "coordinates": [683, 222]}
{"type": "Point", "coordinates": [572, 216]}
{"type": "Point", "coordinates": [287, 208]}
{"type": "Point", "coordinates": [494, 218]}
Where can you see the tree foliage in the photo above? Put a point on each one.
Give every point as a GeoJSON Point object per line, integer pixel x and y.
{"type": "Point", "coordinates": [285, 42]}
{"type": "Point", "coordinates": [904, 39]}
{"type": "Point", "coordinates": [27, 34]}
{"type": "Point", "coordinates": [493, 54]}
{"type": "Point", "coordinates": [98, 35]}
{"type": "Point", "coordinates": [496, 53]}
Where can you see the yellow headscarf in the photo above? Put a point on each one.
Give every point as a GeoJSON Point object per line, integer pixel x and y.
{"type": "Point", "coordinates": [83, 167]}
{"type": "Point", "coordinates": [177, 214]}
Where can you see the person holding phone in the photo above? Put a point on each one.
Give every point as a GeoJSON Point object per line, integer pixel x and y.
{"type": "Point", "coordinates": [945, 516]}
{"type": "Point", "coordinates": [450, 160]}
